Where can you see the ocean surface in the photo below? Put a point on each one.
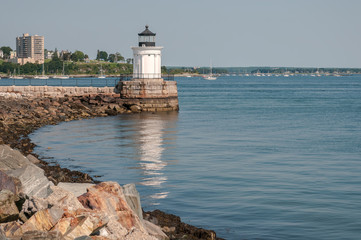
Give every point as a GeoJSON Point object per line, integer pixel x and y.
{"type": "Point", "coordinates": [248, 157]}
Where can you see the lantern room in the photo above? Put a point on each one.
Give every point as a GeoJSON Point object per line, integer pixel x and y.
{"type": "Point", "coordinates": [146, 38]}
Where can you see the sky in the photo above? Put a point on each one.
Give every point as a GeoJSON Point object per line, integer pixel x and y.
{"type": "Point", "coordinates": [195, 33]}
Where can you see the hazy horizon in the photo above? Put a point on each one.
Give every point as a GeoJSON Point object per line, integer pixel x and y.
{"type": "Point", "coordinates": [231, 33]}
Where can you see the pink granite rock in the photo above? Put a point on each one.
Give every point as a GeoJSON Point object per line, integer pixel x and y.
{"type": "Point", "coordinates": [109, 198]}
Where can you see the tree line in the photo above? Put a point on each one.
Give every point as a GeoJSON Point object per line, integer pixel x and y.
{"type": "Point", "coordinates": [77, 56]}
{"type": "Point", "coordinates": [6, 51]}
{"type": "Point", "coordinates": [55, 66]}
{"type": "Point", "coordinates": [72, 62]}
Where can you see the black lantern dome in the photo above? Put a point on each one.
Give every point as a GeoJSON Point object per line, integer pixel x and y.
{"type": "Point", "coordinates": [146, 38]}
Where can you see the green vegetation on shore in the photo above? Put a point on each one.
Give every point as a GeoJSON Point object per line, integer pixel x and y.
{"type": "Point", "coordinates": [93, 67]}
{"type": "Point", "coordinates": [55, 67]}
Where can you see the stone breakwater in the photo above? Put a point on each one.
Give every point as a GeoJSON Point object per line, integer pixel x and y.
{"type": "Point", "coordinates": [50, 91]}
{"type": "Point", "coordinates": [49, 202]}
{"type": "Point", "coordinates": [156, 97]}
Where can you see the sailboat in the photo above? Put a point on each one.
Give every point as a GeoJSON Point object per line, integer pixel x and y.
{"type": "Point", "coordinates": [101, 72]}
{"type": "Point", "coordinates": [16, 76]}
{"type": "Point", "coordinates": [210, 76]}
{"type": "Point", "coordinates": [43, 75]}
{"type": "Point", "coordinates": [63, 76]}
{"type": "Point", "coordinates": [36, 75]}
{"type": "Point", "coordinates": [258, 74]}
{"type": "Point", "coordinates": [318, 74]}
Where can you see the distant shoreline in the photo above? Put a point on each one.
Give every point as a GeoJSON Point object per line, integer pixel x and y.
{"type": "Point", "coordinates": [5, 76]}
{"type": "Point", "coordinates": [55, 76]}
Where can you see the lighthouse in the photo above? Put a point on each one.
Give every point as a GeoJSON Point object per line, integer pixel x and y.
{"type": "Point", "coordinates": [147, 91]}
{"type": "Point", "coordinates": [147, 57]}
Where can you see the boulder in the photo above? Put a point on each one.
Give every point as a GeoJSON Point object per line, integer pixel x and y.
{"type": "Point", "coordinates": [82, 222]}
{"type": "Point", "coordinates": [32, 205]}
{"type": "Point", "coordinates": [8, 209]}
{"type": "Point", "coordinates": [63, 199]}
{"type": "Point", "coordinates": [32, 159]}
{"type": "Point", "coordinates": [154, 230]}
{"type": "Point", "coordinates": [117, 107]}
{"type": "Point", "coordinates": [63, 225]}
{"type": "Point", "coordinates": [86, 224]}
{"type": "Point", "coordinates": [10, 183]}
{"type": "Point", "coordinates": [2, 235]}
{"type": "Point", "coordinates": [133, 199]}
{"type": "Point", "coordinates": [10, 228]}
{"type": "Point", "coordinates": [76, 188]}
{"type": "Point", "coordinates": [136, 234]}
{"type": "Point", "coordinates": [40, 235]}
{"type": "Point", "coordinates": [113, 230]}
{"type": "Point", "coordinates": [11, 159]}
{"type": "Point", "coordinates": [33, 180]}
{"type": "Point", "coordinates": [83, 238]}
{"type": "Point", "coordinates": [109, 198]}
{"type": "Point", "coordinates": [43, 220]}
{"type": "Point", "coordinates": [59, 198]}
{"type": "Point", "coordinates": [135, 108]}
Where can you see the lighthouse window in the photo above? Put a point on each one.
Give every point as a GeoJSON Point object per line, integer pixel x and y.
{"type": "Point", "coordinates": [144, 38]}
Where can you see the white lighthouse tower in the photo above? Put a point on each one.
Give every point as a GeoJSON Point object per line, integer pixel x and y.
{"type": "Point", "coordinates": [147, 91]}
{"type": "Point", "coordinates": [147, 57]}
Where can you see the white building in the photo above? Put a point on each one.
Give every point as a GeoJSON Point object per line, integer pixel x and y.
{"type": "Point", "coordinates": [12, 55]}
{"type": "Point", "coordinates": [147, 57]}
{"type": "Point", "coordinates": [49, 54]}
{"type": "Point", "coordinates": [1, 54]}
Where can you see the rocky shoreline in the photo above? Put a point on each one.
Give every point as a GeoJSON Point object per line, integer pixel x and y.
{"type": "Point", "coordinates": [20, 116]}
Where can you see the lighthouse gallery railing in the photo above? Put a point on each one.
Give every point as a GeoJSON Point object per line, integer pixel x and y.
{"type": "Point", "coordinates": [166, 77]}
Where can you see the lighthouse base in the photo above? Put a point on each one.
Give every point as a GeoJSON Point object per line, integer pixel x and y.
{"type": "Point", "coordinates": [150, 95]}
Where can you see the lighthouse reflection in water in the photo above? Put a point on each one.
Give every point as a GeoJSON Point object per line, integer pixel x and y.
{"type": "Point", "coordinates": [155, 133]}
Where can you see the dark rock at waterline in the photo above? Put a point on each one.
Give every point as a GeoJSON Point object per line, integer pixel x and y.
{"type": "Point", "coordinates": [57, 174]}
{"type": "Point", "coordinates": [176, 229]}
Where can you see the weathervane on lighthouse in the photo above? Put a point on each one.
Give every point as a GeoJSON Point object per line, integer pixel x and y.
{"type": "Point", "coordinates": [147, 57]}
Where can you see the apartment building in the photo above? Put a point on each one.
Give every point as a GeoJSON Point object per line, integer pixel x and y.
{"type": "Point", "coordinates": [29, 49]}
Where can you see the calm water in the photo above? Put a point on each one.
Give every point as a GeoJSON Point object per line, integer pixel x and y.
{"type": "Point", "coordinates": [251, 158]}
